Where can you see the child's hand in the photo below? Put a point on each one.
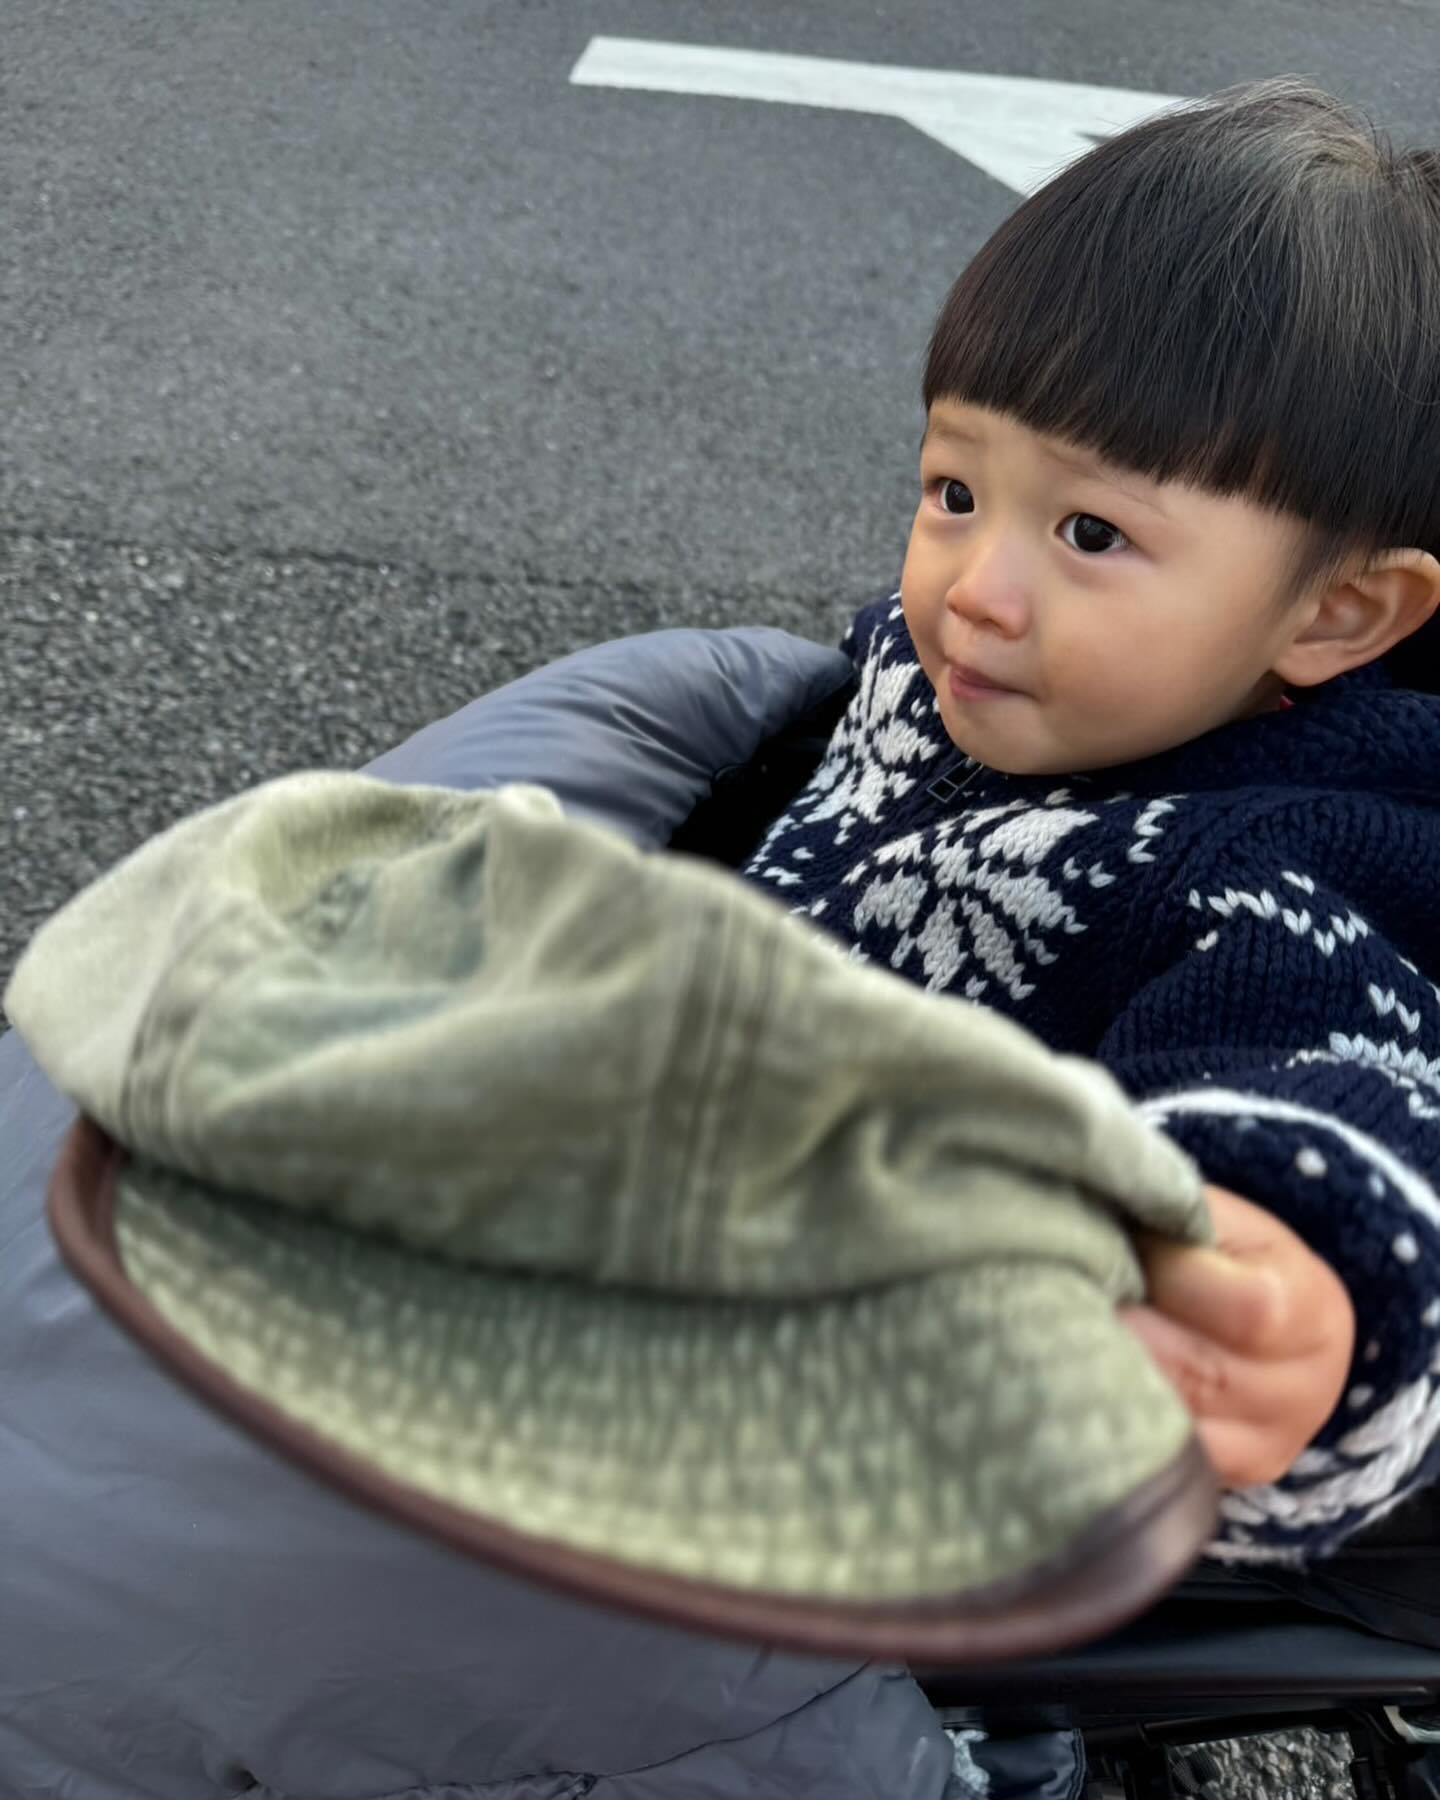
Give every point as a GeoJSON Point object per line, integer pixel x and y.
{"type": "Point", "coordinates": [1257, 1336]}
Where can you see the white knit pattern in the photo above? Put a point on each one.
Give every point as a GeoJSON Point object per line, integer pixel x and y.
{"type": "Point", "coordinates": [984, 897]}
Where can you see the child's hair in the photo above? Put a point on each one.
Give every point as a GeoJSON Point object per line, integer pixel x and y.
{"type": "Point", "coordinates": [1242, 293]}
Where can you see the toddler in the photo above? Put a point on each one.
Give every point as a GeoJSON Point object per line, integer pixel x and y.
{"type": "Point", "coordinates": [1145, 750]}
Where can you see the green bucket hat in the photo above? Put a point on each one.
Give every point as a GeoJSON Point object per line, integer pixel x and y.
{"type": "Point", "coordinates": [585, 1209]}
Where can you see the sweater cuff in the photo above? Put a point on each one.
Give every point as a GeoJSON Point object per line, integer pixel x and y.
{"type": "Point", "coordinates": [1376, 1219]}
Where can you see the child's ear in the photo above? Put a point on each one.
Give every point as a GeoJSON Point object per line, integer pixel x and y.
{"type": "Point", "coordinates": [1360, 618]}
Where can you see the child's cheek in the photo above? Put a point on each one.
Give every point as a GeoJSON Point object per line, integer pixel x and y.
{"type": "Point", "coordinates": [922, 633]}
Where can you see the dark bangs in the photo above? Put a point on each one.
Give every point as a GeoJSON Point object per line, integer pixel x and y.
{"type": "Point", "coordinates": [1242, 294]}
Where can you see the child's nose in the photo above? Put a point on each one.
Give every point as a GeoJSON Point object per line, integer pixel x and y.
{"type": "Point", "coordinates": [991, 589]}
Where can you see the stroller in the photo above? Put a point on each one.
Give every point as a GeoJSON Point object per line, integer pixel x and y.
{"type": "Point", "coordinates": [1352, 1646]}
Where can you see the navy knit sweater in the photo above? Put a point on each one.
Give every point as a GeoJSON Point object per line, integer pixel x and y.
{"type": "Point", "coordinates": [1242, 930]}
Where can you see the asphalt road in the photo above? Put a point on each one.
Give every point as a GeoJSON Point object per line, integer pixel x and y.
{"type": "Point", "coordinates": [352, 360]}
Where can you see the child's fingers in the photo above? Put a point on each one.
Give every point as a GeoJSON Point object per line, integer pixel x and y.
{"type": "Point", "coordinates": [1210, 1379]}
{"type": "Point", "coordinates": [1211, 1382]}
{"type": "Point", "coordinates": [1244, 1455]}
{"type": "Point", "coordinates": [1217, 1382]}
{"type": "Point", "coordinates": [1263, 1290]}
{"type": "Point", "coordinates": [1256, 1337]}
{"type": "Point", "coordinates": [1249, 1306]}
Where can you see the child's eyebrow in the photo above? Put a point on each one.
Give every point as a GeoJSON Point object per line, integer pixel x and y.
{"type": "Point", "coordinates": [952, 434]}
{"type": "Point", "coordinates": [1084, 464]}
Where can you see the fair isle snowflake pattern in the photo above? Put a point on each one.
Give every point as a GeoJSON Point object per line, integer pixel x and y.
{"type": "Point", "coordinates": [876, 756]}
{"type": "Point", "coordinates": [1218, 937]}
{"type": "Point", "coordinates": [972, 893]}
{"type": "Point", "coordinates": [969, 901]}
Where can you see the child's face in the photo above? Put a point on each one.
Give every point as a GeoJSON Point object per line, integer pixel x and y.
{"type": "Point", "coordinates": [1129, 615]}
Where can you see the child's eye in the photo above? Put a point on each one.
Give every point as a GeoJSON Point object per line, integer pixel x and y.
{"type": "Point", "coordinates": [955, 498]}
{"type": "Point", "coordinates": [1083, 531]}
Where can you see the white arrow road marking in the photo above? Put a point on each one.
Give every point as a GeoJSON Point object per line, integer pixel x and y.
{"type": "Point", "coordinates": [1017, 129]}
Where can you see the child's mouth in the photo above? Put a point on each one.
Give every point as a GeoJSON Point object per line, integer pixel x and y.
{"type": "Point", "coordinates": [970, 684]}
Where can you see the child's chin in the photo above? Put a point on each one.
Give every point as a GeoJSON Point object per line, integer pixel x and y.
{"type": "Point", "coordinates": [989, 747]}
{"type": "Point", "coordinates": [1005, 759]}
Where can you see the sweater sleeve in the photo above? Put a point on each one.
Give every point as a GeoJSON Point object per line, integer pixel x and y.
{"type": "Point", "coordinates": [1294, 1051]}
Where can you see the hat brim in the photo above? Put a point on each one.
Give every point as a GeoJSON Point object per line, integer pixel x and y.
{"type": "Point", "coordinates": [802, 1475]}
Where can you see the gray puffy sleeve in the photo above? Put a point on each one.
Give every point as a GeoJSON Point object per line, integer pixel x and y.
{"type": "Point", "coordinates": [629, 734]}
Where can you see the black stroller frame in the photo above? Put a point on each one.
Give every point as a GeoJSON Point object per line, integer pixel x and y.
{"type": "Point", "coordinates": [1196, 1671]}
{"type": "Point", "coordinates": [1351, 1645]}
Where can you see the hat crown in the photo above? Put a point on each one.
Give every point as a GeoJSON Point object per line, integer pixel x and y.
{"type": "Point", "coordinates": [510, 1039]}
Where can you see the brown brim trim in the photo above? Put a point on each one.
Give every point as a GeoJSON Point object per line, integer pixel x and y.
{"type": "Point", "coordinates": [1122, 1564]}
